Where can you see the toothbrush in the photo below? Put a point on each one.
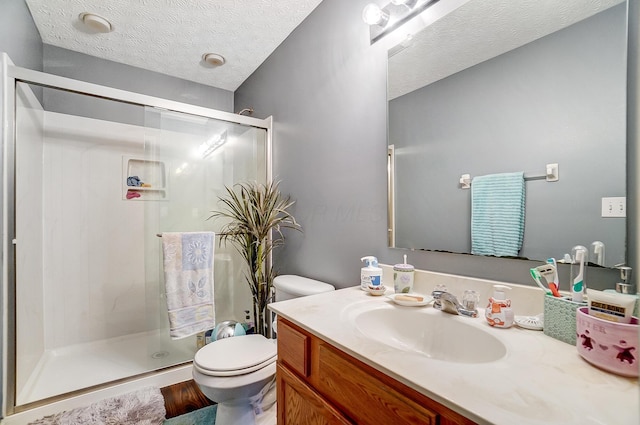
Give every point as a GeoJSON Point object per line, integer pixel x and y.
{"type": "Point", "coordinates": [578, 283]}
{"type": "Point", "coordinates": [535, 274]}
{"type": "Point", "coordinates": [554, 284]}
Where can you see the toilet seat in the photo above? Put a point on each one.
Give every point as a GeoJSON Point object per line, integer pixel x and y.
{"type": "Point", "coordinates": [233, 372]}
{"type": "Point", "coordinates": [235, 356]}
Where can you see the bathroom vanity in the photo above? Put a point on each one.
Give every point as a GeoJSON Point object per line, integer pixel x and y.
{"type": "Point", "coordinates": [320, 384]}
{"type": "Point", "coordinates": [348, 357]}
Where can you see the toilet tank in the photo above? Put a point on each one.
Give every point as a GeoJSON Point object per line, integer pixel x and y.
{"type": "Point", "coordinates": [290, 286]}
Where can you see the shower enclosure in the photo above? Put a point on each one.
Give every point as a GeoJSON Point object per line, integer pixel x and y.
{"type": "Point", "coordinates": [93, 176]}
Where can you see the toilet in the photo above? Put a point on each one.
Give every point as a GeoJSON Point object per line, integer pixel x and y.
{"type": "Point", "coordinates": [232, 371]}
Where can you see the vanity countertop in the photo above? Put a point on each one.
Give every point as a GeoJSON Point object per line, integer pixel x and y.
{"type": "Point", "coordinates": [540, 381]}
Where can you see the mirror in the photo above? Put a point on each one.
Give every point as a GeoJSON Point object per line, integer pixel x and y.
{"type": "Point", "coordinates": [499, 86]}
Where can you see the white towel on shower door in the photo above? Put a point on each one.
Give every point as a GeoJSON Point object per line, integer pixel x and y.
{"type": "Point", "coordinates": [188, 277]}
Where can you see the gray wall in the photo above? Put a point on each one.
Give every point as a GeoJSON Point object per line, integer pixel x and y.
{"type": "Point", "coordinates": [326, 88]}
{"type": "Point", "coordinates": [19, 37]}
{"type": "Point", "coordinates": [560, 99]}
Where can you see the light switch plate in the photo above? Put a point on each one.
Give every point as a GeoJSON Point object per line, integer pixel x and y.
{"type": "Point", "coordinates": [614, 207]}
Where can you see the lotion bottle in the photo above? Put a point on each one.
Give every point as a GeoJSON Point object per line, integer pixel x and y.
{"type": "Point", "coordinates": [371, 274]}
{"type": "Point", "coordinates": [499, 313]}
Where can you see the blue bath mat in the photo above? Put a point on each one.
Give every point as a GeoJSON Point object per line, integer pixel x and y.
{"type": "Point", "coordinates": [206, 415]}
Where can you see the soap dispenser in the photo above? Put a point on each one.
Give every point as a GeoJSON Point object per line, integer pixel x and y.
{"type": "Point", "coordinates": [627, 287]}
{"type": "Point", "coordinates": [371, 274]}
{"type": "Point", "coordinates": [499, 312]}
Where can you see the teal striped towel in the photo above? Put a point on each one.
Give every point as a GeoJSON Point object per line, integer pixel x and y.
{"type": "Point", "coordinates": [497, 214]}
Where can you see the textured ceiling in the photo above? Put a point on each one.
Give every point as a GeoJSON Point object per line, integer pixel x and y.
{"type": "Point", "coordinates": [170, 36]}
{"type": "Point", "coordinates": [480, 30]}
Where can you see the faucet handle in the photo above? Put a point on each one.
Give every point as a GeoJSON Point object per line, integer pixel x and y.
{"type": "Point", "coordinates": [437, 294]}
{"type": "Point", "coordinates": [470, 299]}
{"type": "Point", "coordinates": [437, 298]}
{"type": "Point", "coordinates": [440, 287]}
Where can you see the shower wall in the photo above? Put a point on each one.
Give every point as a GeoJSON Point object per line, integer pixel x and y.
{"type": "Point", "coordinates": [94, 270]}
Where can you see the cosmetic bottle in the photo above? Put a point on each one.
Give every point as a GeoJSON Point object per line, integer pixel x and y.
{"type": "Point", "coordinates": [610, 306]}
{"type": "Point", "coordinates": [371, 274]}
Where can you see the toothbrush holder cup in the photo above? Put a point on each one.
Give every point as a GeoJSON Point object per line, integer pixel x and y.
{"type": "Point", "coordinates": [560, 318]}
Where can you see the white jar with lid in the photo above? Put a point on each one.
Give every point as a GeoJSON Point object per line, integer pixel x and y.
{"type": "Point", "coordinates": [403, 277]}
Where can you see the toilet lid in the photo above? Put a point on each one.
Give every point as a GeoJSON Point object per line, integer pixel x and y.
{"type": "Point", "coordinates": [235, 355]}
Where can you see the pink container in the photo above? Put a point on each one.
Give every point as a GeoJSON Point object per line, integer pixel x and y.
{"type": "Point", "coordinates": [608, 345]}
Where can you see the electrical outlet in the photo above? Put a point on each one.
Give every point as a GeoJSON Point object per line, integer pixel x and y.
{"type": "Point", "coordinates": [614, 207]}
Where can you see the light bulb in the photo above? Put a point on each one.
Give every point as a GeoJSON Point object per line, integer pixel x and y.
{"type": "Point", "coordinates": [373, 15]}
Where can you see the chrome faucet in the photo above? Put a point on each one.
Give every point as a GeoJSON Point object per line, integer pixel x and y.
{"type": "Point", "coordinates": [445, 301]}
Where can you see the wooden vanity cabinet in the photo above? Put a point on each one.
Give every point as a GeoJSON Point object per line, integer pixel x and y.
{"type": "Point", "coordinates": [319, 384]}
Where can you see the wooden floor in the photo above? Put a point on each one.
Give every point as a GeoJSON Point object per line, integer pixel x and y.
{"type": "Point", "coordinates": [183, 398]}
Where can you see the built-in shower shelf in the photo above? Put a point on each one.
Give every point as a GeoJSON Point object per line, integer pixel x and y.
{"type": "Point", "coordinates": [153, 173]}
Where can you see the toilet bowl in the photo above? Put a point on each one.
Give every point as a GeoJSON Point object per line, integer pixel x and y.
{"type": "Point", "coordinates": [233, 371]}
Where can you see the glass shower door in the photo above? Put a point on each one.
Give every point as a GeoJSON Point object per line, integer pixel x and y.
{"type": "Point", "coordinates": [189, 161]}
{"type": "Point", "coordinates": [90, 307]}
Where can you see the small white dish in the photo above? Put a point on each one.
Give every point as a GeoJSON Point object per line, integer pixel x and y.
{"type": "Point", "coordinates": [426, 299]}
{"type": "Point", "coordinates": [377, 290]}
{"type": "Point", "coordinates": [533, 323]}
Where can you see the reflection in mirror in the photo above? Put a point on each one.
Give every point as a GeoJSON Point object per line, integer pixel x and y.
{"type": "Point", "coordinates": [497, 87]}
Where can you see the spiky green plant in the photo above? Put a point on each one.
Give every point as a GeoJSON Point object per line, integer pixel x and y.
{"type": "Point", "coordinates": [257, 213]}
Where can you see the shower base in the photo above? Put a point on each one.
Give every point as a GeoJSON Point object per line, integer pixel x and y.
{"type": "Point", "coordinates": [66, 369]}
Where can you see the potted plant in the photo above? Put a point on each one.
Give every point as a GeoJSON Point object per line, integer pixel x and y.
{"type": "Point", "coordinates": [257, 213]}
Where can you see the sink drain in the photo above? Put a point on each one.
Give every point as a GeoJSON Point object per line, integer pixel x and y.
{"type": "Point", "coordinates": [160, 355]}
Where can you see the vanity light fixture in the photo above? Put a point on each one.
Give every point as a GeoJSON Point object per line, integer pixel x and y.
{"type": "Point", "coordinates": [373, 15]}
{"type": "Point", "coordinates": [95, 23]}
{"type": "Point", "coordinates": [383, 21]}
{"type": "Point", "coordinates": [213, 59]}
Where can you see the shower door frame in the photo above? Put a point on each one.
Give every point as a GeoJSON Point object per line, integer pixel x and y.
{"type": "Point", "coordinates": [11, 75]}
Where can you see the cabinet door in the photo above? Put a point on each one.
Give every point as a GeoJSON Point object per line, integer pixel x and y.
{"type": "Point", "coordinates": [365, 398]}
{"type": "Point", "coordinates": [298, 404]}
{"type": "Point", "coordinates": [293, 348]}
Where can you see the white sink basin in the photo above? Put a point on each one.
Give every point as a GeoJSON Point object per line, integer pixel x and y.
{"type": "Point", "coordinates": [434, 334]}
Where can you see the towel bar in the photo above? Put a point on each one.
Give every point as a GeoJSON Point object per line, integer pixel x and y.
{"type": "Point", "coordinates": [552, 175]}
